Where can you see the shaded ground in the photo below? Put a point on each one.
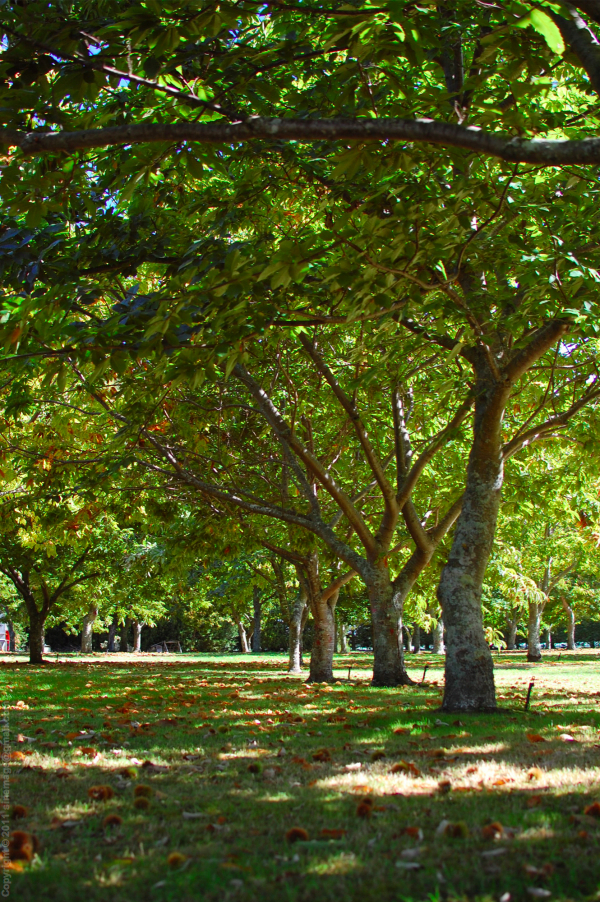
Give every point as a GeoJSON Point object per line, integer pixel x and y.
{"type": "Point", "coordinates": [241, 753]}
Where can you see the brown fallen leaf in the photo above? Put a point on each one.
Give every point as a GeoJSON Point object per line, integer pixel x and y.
{"type": "Point", "coordinates": [406, 767]}
{"type": "Point", "coordinates": [458, 830]}
{"type": "Point", "coordinates": [592, 810]}
{"type": "Point", "coordinates": [413, 832]}
{"type": "Point", "coordinates": [297, 834]}
{"type": "Point", "coordinates": [322, 755]}
{"type": "Point", "coordinates": [22, 846]}
{"type": "Point", "coordinates": [492, 831]}
{"type": "Point", "coordinates": [365, 808]}
{"type": "Point", "coordinates": [100, 793]}
{"type": "Point", "coordinates": [18, 812]}
{"type": "Point", "coordinates": [533, 801]}
{"type": "Point", "coordinates": [332, 833]}
{"type": "Point", "coordinates": [535, 737]}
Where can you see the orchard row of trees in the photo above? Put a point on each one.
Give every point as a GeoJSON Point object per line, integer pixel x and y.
{"type": "Point", "coordinates": [312, 281]}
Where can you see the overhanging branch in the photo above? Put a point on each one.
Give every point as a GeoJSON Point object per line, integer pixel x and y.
{"type": "Point", "coordinates": [421, 131]}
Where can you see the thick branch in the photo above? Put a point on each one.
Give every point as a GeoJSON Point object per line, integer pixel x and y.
{"type": "Point", "coordinates": [578, 37]}
{"type": "Point", "coordinates": [337, 584]}
{"type": "Point", "coordinates": [535, 433]}
{"type": "Point", "coordinates": [542, 340]}
{"type": "Point", "coordinates": [427, 131]}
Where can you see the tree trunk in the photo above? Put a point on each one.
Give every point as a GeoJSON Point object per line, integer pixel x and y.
{"type": "Point", "coordinates": [322, 608]}
{"type": "Point", "coordinates": [404, 629]}
{"type": "Point", "coordinates": [297, 621]}
{"type": "Point", "coordinates": [343, 638]}
{"type": "Point", "coordinates": [243, 637]}
{"type": "Point", "coordinates": [88, 629]}
{"type": "Point", "coordinates": [511, 633]}
{"type": "Point", "coordinates": [469, 683]}
{"type": "Point", "coordinates": [12, 636]}
{"type": "Point", "coordinates": [570, 624]}
{"type": "Point", "coordinates": [36, 637]}
{"type": "Point", "coordinates": [125, 635]}
{"type": "Point", "coordinates": [534, 648]}
{"type": "Point", "coordinates": [386, 603]}
{"type": "Point", "coordinates": [321, 657]}
{"type": "Point", "coordinates": [257, 605]}
{"type": "Point", "coordinates": [438, 638]}
{"type": "Point", "coordinates": [417, 640]}
{"type": "Point", "coordinates": [112, 633]}
{"type": "Point", "coordinates": [137, 636]}
{"type": "Point", "coordinates": [305, 614]}
{"type": "Point", "coordinates": [549, 638]}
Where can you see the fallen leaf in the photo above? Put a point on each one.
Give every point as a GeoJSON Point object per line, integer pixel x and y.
{"type": "Point", "coordinates": [413, 832]}
{"type": "Point", "coordinates": [592, 810]}
{"type": "Point", "coordinates": [492, 831]}
{"type": "Point", "coordinates": [535, 737]}
{"type": "Point", "coordinates": [297, 834]}
{"type": "Point", "coordinates": [332, 833]}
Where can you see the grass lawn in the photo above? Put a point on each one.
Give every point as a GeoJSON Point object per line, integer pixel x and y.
{"type": "Point", "coordinates": [397, 801]}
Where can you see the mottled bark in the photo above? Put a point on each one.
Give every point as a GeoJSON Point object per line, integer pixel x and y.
{"type": "Point", "coordinates": [511, 632]}
{"type": "Point", "coordinates": [343, 633]}
{"type": "Point", "coordinates": [88, 628]}
{"type": "Point", "coordinates": [534, 619]}
{"type": "Point", "coordinates": [417, 640]}
{"type": "Point", "coordinates": [386, 603]}
{"type": "Point", "coordinates": [112, 634]}
{"type": "Point", "coordinates": [297, 621]}
{"type": "Point", "coordinates": [243, 637]}
{"type": "Point", "coordinates": [321, 603]}
{"type": "Point", "coordinates": [321, 658]}
{"type": "Point", "coordinates": [257, 605]}
{"type": "Point", "coordinates": [438, 637]}
{"type": "Point", "coordinates": [570, 624]}
{"type": "Point", "coordinates": [469, 684]}
{"type": "Point", "coordinates": [137, 635]}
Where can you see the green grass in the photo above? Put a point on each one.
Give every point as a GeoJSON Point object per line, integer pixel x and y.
{"type": "Point", "coordinates": [471, 771]}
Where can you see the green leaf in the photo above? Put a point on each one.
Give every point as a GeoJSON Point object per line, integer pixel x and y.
{"type": "Point", "coordinates": [544, 25]}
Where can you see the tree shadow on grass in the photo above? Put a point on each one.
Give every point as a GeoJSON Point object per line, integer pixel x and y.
{"type": "Point", "coordinates": [220, 761]}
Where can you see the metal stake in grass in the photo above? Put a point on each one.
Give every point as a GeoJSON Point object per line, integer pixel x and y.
{"type": "Point", "coordinates": [529, 691]}
{"type": "Point", "coordinates": [424, 672]}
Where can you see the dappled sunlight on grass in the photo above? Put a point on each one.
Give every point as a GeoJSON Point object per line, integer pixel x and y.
{"type": "Point", "coordinates": [232, 754]}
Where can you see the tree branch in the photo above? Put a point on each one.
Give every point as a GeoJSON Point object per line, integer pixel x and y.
{"type": "Point", "coordinates": [351, 410]}
{"type": "Point", "coordinates": [276, 421]}
{"type": "Point", "coordinates": [420, 131]}
{"type": "Point", "coordinates": [337, 584]}
{"type": "Point", "coordinates": [535, 433]}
